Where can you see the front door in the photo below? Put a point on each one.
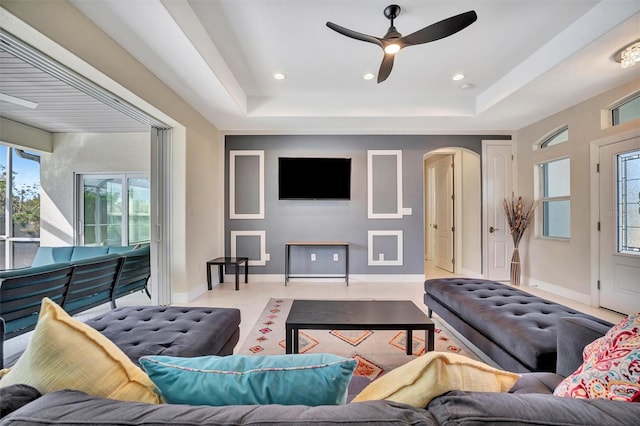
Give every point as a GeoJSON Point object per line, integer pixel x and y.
{"type": "Point", "coordinates": [620, 226]}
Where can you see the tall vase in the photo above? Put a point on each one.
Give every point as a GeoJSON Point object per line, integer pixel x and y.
{"type": "Point", "coordinates": [515, 268]}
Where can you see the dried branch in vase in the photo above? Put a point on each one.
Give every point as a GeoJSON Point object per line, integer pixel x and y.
{"type": "Point", "coordinates": [519, 213]}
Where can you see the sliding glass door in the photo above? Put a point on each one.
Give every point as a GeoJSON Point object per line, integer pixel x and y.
{"type": "Point", "coordinates": [113, 209]}
{"type": "Point", "coordinates": [19, 207]}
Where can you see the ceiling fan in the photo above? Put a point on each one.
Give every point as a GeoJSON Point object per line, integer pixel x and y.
{"type": "Point", "coordinates": [393, 41]}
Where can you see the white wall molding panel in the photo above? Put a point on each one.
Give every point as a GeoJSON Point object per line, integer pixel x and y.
{"type": "Point", "coordinates": [246, 184]}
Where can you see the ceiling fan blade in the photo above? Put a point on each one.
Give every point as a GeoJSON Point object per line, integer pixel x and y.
{"type": "Point", "coordinates": [441, 29]}
{"type": "Point", "coordinates": [354, 34]}
{"type": "Point", "coordinates": [385, 67]}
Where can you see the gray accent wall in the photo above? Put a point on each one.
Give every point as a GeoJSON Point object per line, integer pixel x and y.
{"type": "Point", "coordinates": [247, 188]}
{"type": "Point", "coordinates": [384, 184]}
{"type": "Point", "coordinates": [315, 220]}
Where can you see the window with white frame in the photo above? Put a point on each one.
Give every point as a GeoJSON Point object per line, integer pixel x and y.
{"type": "Point", "coordinates": [557, 137]}
{"type": "Point", "coordinates": [627, 110]}
{"type": "Point", "coordinates": [555, 198]}
{"type": "Point", "coordinates": [113, 209]}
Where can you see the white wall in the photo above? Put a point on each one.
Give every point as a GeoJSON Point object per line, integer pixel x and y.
{"type": "Point", "coordinates": [195, 140]}
{"type": "Point", "coordinates": [563, 267]}
{"type": "Point", "coordinates": [471, 215]}
{"type": "Point", "coordinates": [204, 212]}
{"type": "Point", "coordinates": [14, 133]}
{"type": "Point", "coordinates": [82, 153]}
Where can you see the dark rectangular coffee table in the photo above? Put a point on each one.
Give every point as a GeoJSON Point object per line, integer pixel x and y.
{"type": "Point", "coordinates": [357, 315]}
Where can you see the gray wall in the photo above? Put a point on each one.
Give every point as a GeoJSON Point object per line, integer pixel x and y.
{"type": "Point", "coordinates": [307, 220]}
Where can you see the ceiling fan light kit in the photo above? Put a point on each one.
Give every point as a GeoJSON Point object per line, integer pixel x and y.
{"type": "Point", "coordinates": [393, 41]}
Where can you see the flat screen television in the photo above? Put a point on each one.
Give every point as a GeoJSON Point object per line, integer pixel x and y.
{"type": "Point", "coordinates": [304, 178]}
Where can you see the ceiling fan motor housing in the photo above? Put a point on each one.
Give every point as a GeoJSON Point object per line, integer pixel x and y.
{"type": "Point", "coordinates": [392, 11]}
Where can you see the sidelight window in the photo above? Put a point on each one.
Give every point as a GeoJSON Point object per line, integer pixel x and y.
{"type": "Point", "coordinates": [628, 202]}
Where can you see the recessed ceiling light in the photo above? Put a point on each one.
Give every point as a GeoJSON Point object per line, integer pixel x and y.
{"type": "Point", "coordinates": [368, 76]}
{"type": "Point", "coordinates": [279, 76]}
{"type": "Point", "coordinates": [458, 77]}
{"type": "Point", "coordinates": [467, 86]}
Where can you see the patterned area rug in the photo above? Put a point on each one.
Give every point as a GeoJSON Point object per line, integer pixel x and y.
{"type": "Point", "coordinates": [377, 351]}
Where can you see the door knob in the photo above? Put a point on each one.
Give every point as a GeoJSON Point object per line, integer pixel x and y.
{"type": "Point", "coordinates": [435, 226]}
{"type": "Point", "coordinates": [492, 229]}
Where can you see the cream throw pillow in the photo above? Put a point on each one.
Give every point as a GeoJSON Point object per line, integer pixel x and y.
{"type": "Point", "coordinates": [64, 353]}
{"type": "Point", "coordinates": [434, 373]}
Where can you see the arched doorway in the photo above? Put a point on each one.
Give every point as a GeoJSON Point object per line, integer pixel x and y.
{"type": "Point", "coordinates": [452, 212]}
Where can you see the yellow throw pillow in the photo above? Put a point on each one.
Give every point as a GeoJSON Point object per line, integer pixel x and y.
{"type": "Point", "coordinates": [434, 373]}
{"type": "Point", "coordinates": [67, 354]}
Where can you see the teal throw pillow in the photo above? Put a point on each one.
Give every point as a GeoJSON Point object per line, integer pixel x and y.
{"type": "Point", "coordinates": [305, 379]}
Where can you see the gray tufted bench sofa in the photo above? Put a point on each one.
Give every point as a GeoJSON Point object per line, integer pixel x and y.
{"type": "Point", "coordinates": [518, 330]}
{"type": "Point", "coordinates": [163, 330]}
{"type": "Point", "coordinates": [170, 330]}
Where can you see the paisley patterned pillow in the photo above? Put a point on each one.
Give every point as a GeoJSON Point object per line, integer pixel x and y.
{"type": "Point", "coordinates": [611, 368]}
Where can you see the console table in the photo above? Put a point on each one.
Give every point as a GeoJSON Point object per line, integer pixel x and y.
{"type": "Point", "coordinates": [287, 258]}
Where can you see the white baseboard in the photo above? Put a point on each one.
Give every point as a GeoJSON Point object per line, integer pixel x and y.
{"type": "Point", "coordinates": [387, 278]}
{"type": "Point", "coordinates": [467, 273]}
{"type": "Point", "coordinates": [353, 278]}
{"type": "Point", "coordinates": [559, 291]}
{"type": "Point", "coordinates": [192, 295]}
{"type": "Point", "coordinates": [180, 298]}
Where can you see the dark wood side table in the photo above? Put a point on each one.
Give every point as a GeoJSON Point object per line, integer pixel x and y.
{"type": "Point", "coordinates": [228, 261]}
{"type": "Point", "coordinates": [357, 315]}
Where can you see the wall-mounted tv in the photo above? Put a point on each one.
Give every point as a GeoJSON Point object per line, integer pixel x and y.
{"type": "Point", "coordinates": [305, 178]}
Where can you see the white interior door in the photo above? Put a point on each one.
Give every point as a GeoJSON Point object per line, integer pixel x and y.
{"type": "Point", "coordinates": [444, 213]}
{"type": "Point", "coordinates": [498, 183]}
{"type": "Point", "coordinates": [620, 226]}
{"type": "Point", "coordinates": [430, 208]}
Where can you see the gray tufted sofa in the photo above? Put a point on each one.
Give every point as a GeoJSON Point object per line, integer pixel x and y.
{"type": "Point", "coordinates": [529, 402]}
{"type": "Point", "coordinates": [167, 330]}
{"type": "Point", "coordinates": [170, 330]}
{"type": "Point", "coordinates": [514, 328]}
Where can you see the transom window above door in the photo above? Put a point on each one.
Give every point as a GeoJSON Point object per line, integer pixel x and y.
{"type": "Point", "coordinates": [627, 110]}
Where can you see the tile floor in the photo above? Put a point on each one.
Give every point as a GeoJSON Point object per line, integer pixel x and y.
{"type": "Point", "coordinates": [252, 298]}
